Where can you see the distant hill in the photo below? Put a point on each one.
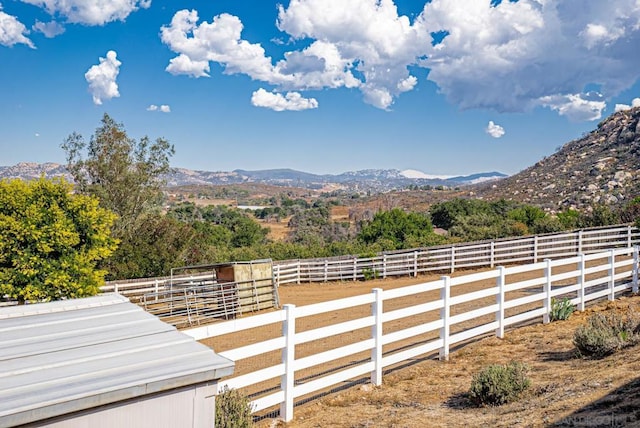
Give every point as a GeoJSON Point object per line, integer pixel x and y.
{"type": "Point", "coordinates": [602, 167]}
{"type": "Point", "coordinates": [376, 180]}
{"type": "Point", "coordinates": [368, 179]}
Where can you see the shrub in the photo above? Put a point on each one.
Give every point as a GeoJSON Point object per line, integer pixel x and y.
{"type": "Point", "coordinates": [561, 309]}
{"type": "Point", "coordinates": [233, 410]}
{"type": "Point", "coordinates": [370, 274]}
{"type": "Point", "coordinates": [499, 384]}
{"type": "Point", "coordinates": [605, 334]}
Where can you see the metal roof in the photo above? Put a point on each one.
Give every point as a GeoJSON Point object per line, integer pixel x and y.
{"type": "Point", "coordinates": [61, 357]}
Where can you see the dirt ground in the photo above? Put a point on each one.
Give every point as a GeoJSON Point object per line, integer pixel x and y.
{"type": "Point", "coordinates": [566, 390]}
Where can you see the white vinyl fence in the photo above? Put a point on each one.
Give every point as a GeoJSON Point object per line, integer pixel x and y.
{"type": "Point", "coordinates": [530, 249]}
{"type": "Point", "coordinates": [310, 353]}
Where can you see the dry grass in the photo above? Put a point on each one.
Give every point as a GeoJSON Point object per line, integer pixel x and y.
{"type": "Point", "coordinates": [566, 390]}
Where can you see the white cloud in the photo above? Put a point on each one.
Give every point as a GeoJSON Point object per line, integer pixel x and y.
{"type": "Point", "coordinates": [634, 103]}
{"type": "Point", "coordinates": [596, 34]}
{"type": "Point", "coordinates": [49, 29]}
{"type": "Point", "coordinates": [291, 101]}
{"type": "Point", "coordinates": [163, 108]}
{"type": "Point", "coordinates": [496, 131]}
{"type": "Point", "coordinates": [91, 12]}
{"type": "Point", "coordinates": [37, 134]}
{"type": "Point", "coordinates": [218, 41]}
{"type": "Point", "coordinates": [504, 56]}
{"type": "Point", "coordinates": [12, 31]}
{"type": "Point", "coordinates": [102, 78]}
{"type": "Point", "coordinates": [575, 106]}
{"type": "Point", "coordinates": [518, 55]}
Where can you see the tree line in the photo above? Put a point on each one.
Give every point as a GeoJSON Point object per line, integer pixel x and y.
{"type": "Point", "coordinates": [59, 240]}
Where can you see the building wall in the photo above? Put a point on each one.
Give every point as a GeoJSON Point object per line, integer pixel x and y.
{"type": "Point", "coordinates": [188, 407]}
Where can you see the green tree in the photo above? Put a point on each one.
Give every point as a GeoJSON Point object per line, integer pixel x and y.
{"type": "Point", "coordinates": [126, 175]}
{"type": "Point", "coordinates": [631, 211]}
{"type": "Point", "coordinates": [569, 219]}
{"type": "Point", "coordinates": [396, 229]}
{"type": "Point", "coordinates": [51, 240]}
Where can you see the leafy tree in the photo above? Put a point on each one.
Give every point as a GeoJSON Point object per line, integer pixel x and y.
{"type": "Point", "coordinates": [527, 214]}
{"type": "Point", "coordinates": [631, 212]}
{"type": "Point", "coordinates": [481, 226]}
{"type": "Point", "coordinates": [569, 219]}
{"type": "Point", "coordinates": [598, 215]}
{"type": "Point", "coordinates": [397, 229]}
{"type": "Point", "coordinates": [152, 251]}
{"type": "Point", "coordinates": [125, 174]}
{"type": "Point", "coordinates": [446, 214]}
{"type": "Point", "coordinates": [51, 240]}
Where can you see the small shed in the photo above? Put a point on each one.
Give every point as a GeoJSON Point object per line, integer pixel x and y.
{"type": "Point", "coordinates": [103, 362]}
{"type": "Point", "coordinates": [256, 287]}
{"type": "Point", "coordinates": [220, 290]}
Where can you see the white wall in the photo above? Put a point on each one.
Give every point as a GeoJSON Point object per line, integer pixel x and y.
{"type": "Point", "coordinates": [189, 407]}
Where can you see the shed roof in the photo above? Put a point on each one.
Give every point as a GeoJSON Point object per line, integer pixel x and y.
{"type": "Point", "coordinates": [61, 357]}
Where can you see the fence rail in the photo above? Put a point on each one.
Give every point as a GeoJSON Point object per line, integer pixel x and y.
{"type": "Point", "coordinates": [530, 249]}
{"type": "Point", "coordinates": [448, 311]}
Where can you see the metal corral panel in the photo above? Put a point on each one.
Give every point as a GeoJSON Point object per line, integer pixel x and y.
{"type": "Point", "coordinates": [68, 356]}
{"type": "Point", "coordinates": [256, 287]}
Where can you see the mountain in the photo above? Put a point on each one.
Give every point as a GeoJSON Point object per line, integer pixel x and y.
{"type": "Point", "coordinates": [368, 179]}
{"type": "Point", "coordinates": [601, 167]}
{"type": "Point", "coordinates": [31, 171]}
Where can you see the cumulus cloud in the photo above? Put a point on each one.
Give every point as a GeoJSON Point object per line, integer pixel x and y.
{"type": "Point", "coordinates": [496, 131]}
{"type": "Point", "coordinates": [278, 102]}
{"type": "Point", "coordinates": [506, 56]}
{"type": "Point", "coordinates": [49, 29]}
{"type": "Point", "coordinates": [102, 78]}
{"type": "Point", "coordinates": [162, 108]}
{"type": "Point", "coordinates": [12, 31]}
{"type": "Point", "coordinates": [634, 103]}
{"type": "Point", "coordinates": [91, 12]}
{"type": "Point", "coordinates": [518, 55]}
{"type": "Point", "coordinates": [576, 107]}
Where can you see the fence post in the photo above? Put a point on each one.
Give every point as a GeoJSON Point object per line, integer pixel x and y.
{"type": "Point", "coordinates": [493, 254]}
{"type": "Point", "coordinates": [415, 264]}
{"type": "Point", "coordinates": [298, 272]}
{"type": "Point", "coordinates": [453, 258]}
{"type": "Point", "coordinates": [288, 358]}
{"type": "Point", "coordinates": [355, 268]}
{"type": "Point", "coordinates": [384, 266]}
{"type": "Point", "coordinates": [635, 269]}
{"type": "Point", "coordinates": [445, 312]}
{"type": "Point", "coordinates": [612, 273]}
{"type": "Point", "coordinates": [579, 242]}
{"type": "Point", "coordinates": [115, 287]}
{"type": "Point", "coordinates": [376, 332]}
{"type": "Point", "coordinates": [581, 267]}
{"type": "Point", "coordinates": [500, 301]}
{"type": "Point", "coordinates": [326, 269]}
{"type": "Point", "coordinates": [157, 288]}
{"type": "Point", "coordinates": [547, 292]}
{"type": "Point", "coordinates": [535, 249]}
{"type": "Point", "coordinates": [629, 236]}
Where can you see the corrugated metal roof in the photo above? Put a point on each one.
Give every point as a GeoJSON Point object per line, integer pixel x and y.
{"type": "Point", "coordinates": [65, 356]}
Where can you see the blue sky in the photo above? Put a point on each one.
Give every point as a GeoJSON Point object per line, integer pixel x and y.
{"type": "Point", "coordinates": [326, 86]}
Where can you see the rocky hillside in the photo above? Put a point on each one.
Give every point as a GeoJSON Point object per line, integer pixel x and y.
{"type": "Point", "coordinates": [602, 167]}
